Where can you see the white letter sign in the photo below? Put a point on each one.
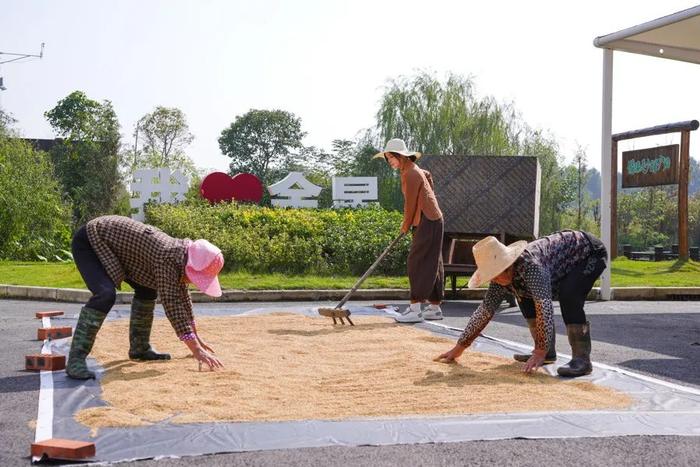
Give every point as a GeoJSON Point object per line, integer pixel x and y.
{"type": "Point", "coordinates": [354, 191]}
{"type": "Point", "coordinates": [292, 190]}
{"type": "Point", "coordinates": [156, 185]}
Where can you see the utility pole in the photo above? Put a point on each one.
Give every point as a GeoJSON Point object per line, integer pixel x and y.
{"type": "Point", "coordinates": [17, 57]}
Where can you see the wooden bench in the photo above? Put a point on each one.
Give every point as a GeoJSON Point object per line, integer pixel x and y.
{"type": "Point", "coordinates": [459, 261]}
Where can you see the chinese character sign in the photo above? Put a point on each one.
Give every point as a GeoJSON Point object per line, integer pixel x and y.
{"type": "Point", "coordinates": [651, 166]}
{"type": "Point", "coordinates": [354, 191]}
{"type": "Point", "coordinates": [294, 191]}
{"type": "Point", "coordinates": [159, 185]}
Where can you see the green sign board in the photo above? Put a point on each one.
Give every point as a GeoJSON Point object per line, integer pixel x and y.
{"type": "Point", "coordinates": [650, 167]}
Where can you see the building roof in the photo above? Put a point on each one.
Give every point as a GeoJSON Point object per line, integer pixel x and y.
{"type": "Point", "coordinates": [487, 194]}
{"type": "Point", "coordinates": [674, 36]}
{"type": "Point", "coordinates": [41, 144]}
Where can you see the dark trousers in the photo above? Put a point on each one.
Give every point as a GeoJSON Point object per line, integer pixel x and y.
{"type": "Point", "coordinates": [426, 273]}
{"type": "Point", "coordinates": [104, 292]}
{"type": "Point", "coordinates": [573, 290]}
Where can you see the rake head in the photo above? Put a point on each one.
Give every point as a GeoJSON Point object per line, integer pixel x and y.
{"type": "Point", "coordinates": [336, 313]}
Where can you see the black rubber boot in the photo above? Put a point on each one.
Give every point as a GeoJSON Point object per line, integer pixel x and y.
{"type": "Point", "coordinates": [140, 325]}
{"type": "Point", "coordinates": [580, 340]}
{"type": "Point", "coordinates": [89, 322]}
{"type": "Point", "coordinates": [551, 356]}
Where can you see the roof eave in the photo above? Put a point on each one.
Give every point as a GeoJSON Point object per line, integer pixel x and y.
{"type": "Point", "coordinates": [607, 40]}
{"type": "Point", "coordinates": [655, 50]}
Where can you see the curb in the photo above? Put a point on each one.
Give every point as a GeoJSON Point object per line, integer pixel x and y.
{"type": "Point", "coordinates": [82, 295]}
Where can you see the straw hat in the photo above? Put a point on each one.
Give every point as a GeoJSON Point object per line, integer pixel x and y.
{"type": "Point", "coordinates": [492, 258]}
{"type": "Point", "coordinates": [397, 146]}
{"type": "Point", "coordinates": [204, 262]}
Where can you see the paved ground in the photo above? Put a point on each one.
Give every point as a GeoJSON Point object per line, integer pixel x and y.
{"type": "Point", "coordinates": [660, 339]}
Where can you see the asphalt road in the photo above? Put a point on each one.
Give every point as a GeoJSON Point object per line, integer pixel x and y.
{"type": "Point", "coordinates": [660, 339]}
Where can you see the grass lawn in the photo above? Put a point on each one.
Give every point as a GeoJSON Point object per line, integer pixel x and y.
{"type": "Point", "coordinates": [65, 275]}
{"type": "Point", "coordinates": [625, 273]}
{"type": "Point", "coordinates": [628, 273]}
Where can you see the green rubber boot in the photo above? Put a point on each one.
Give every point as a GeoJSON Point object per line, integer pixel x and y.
{"type": "Point", "coordinates": [580, 340]}
{"type": "Point", "coordinates": [140, 326]}
{"type": "Point", "coordinates": [551, 356]}
{"type": "Point", "coordinates": [89, 323]}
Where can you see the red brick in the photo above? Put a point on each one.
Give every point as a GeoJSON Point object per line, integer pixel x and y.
{"type": "Point", "coordinates": [56, 448]}
{"type": "Point", "coordinates": [47, 362]}
{"type": "Point", "coordinates": [57, 332]}
{"type": "Point", "coordinates": [48, 314]}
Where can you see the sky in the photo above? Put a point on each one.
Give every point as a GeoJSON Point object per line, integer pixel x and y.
{"type": "Point", "coordinates": [328, 62]}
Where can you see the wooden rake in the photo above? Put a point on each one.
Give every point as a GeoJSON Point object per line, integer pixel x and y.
{"type": "Point", "coordinates": [343, 313]}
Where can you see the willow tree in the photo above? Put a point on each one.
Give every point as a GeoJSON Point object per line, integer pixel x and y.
{"type": "Point", "coordinates": [446, 117]}
{"type": "Point", "coordinates": [437, 117]}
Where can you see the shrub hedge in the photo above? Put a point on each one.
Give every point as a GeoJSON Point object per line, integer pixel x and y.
{"type": "Point", "coordinates": [260, 239]}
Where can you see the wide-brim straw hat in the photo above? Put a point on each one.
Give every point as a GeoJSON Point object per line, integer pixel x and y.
{"type": "Point", "coordinates": [397, 146]}
{"type": "Point", "coordinates": [492, 258]}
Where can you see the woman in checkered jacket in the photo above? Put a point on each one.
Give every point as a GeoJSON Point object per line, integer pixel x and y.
{"type": "Point", "coordinates": [110, 250]}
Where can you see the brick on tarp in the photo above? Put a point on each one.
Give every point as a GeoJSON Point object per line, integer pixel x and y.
{"type": "Point", "coordinates": [48, 314]}
{"type": "Point", "coordinates": [45, 362]}
{"type": "Point", "coordinates": [57, 332]}
{"type": "Point", "coordinates": [56, 448]}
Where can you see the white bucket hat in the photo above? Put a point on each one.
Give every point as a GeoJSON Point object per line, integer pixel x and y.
{"type": "Point", "coordinates": [397, 146]}
{"type": "Point", "coordinates": [492, 258]}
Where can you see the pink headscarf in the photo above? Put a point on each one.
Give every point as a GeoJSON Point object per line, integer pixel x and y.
{"type": "Point", "coordinates": [204, 262]}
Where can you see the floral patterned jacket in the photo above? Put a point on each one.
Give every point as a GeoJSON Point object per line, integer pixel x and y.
{"type": "Point", "coordinates": [537, 273]}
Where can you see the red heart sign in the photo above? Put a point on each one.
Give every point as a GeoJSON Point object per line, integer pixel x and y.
{"type": "Point", "coordinates": [218, 186]}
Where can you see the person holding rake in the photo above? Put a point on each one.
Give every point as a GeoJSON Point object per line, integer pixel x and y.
{"type": "Point", "coordinates": [421, 213]}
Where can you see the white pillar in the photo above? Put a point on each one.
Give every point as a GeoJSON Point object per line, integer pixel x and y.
{"type": "Point", "coordinates": [605, 169]}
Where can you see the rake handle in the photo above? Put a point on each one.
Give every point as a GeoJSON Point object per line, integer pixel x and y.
{"type": "Point", "coordinates": [370, 270]}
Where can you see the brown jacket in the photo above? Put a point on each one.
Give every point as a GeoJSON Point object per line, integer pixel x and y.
{"type": "Point", "coordinates": [418, 196]}
{"type": "Point", "coordinates": [129, 249]}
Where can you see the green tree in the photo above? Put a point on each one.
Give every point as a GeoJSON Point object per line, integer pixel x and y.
{"type": "Point", "coordinates": [437, 117]}
{"type": "Point", "coordinates": [261, 141]}
{"type": "Point", "coordinates": [351, 159]}
{"type": "Point", "coordinates": [555, 190]}
{"type": "Point", "coordinates": [6, 122]}
{"type": "Point", "coordinates": [34, 220]}
{"type": "Point", "coordinates": [694, 220]}
{"type": "Point", "coordinates": [87, 161]}
{"type": "Point", "coordinates": [647, 217]}
{"type": "Point", "coordinates": [694, 182]}
{"type": "Point", "coordinates": [580, 161]}
{"type": "Point", "coordinates": [166, 135]}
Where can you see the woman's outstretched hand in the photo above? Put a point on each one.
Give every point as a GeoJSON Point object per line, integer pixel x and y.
{"type": "Point", "coordinates": [535, 361]}
{"type": "Point", "coordinates": [204, 345]}
{"type": "Point", "coordinates": [204, 357]}
{"type": "Point", "coordinates": [450, 356]}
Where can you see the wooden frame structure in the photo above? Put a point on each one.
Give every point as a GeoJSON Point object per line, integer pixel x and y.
{"type": "Point", "coordinates": [683, 176]}
{"type": "Point", "coordinates": [673, 37]}
{"type": "Point", "coordinates": [481, 196]}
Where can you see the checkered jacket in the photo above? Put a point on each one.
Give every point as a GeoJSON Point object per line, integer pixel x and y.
{"type": "Point", "coordinates": [147, 256]}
